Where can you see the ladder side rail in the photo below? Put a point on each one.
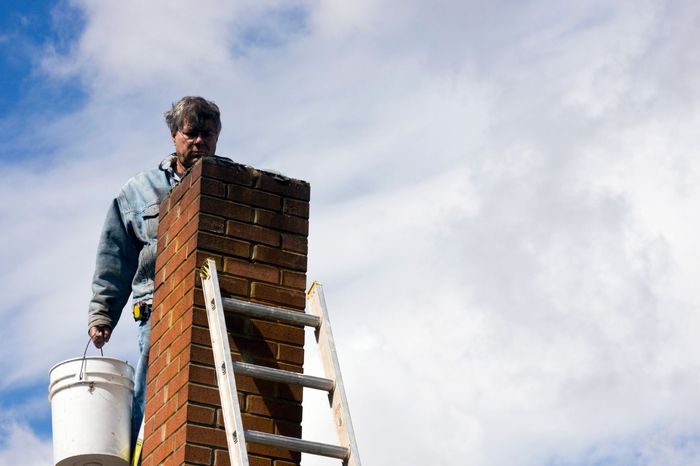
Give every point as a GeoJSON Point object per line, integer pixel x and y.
{"type": "Point", "coordinates": [329, 357]}
{"type": "Point", "coordinates": [233, 421]}
{"type": "Point", "coordinates": [277, 314]}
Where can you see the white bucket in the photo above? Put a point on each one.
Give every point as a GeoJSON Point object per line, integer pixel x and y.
{"type": "Point", "coordinates": [91, 411]}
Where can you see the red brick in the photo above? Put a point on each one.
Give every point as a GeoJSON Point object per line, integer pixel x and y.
{"type": "Point", "coordinates": [255, 328]}
{"type": "Point", "coordinates": [175, 332]}
{"type": "Point", "coordinates": [201, 336]}
{"type": "Point", "coordinates": [261, 348]}
{"type": "Point", "coordinates": [227, 171]}
{"type": "Point", "coordinates": [283, 463]}
{"type": "Point", "coordinates": [203, 375]}
{"type": "Point", "coordinates": [194, 173]}
{"type": "Point", "coordinates": [165, 306]}
{"type": "Point", "coordinates": [154, 399]}
{"type": "Point", "coordinates": [198, 455]}
{"type": "Point", "coordinates": [199, 299]}
{"type": "Point", "coordinates": [178, 456]}
{"type": "Point", "coordinates": [201, 355]}
{"type": "Point", "coordinates": [233, 285]}
{"type": "Point", "coordinates": [183, 229]}
{"type": "Point", "coordinates": [284, 186]}
{"type": "Point", "coordinates": [179, 345]}
{"type": "Point", "coordinates": [201, 414]}
{"type": "Point", "coordinates": [206, 436]}
{"type": "Point", "coordinates": [223, 245]}
{"type": "Point", "coordinates": [169, 373]}
{"type": "Point", "coordinates": [213, 187]}
{"type": "Point", "coordinates": [294, 279]}
{"type": "Point", "coordinates": [165, 218]}
{"type": "Point", "coordinates": [175, 421]}
{"type": "Point", "coordinates": [227, 209]}
{"type": "Point", "coordinates": [204, 394]}
{"type": "Point", "coordinates": [254, 197]}
{"type": "Point", "coordinates": [155, 367]}
{"type": "Point", "coordinates": [164, 254]}
{"type": "Point", "coordinates": [277, 409]}
{"type": "Point", "coordinates": [212, 224]}
{"type": "Point", "coordinates": [291, 224]}
{"type": "Point", "coordinates": [251, 385]}
{"type": "Point", "coordinates": [173, 263]}
{"type": "Point", "coordinates": [288, 429]}
{"type": "Point", "coordinates": [165, 412]}
{"type": "Point", "coordinates": [280, 258]}
{"type": "Point", "coordinates": [186, 271]}
{"type": "Point", "coordinates": [261, 424]}
{"type": "Point", "coordinates": [295, 243]}
{"type": "Point", "coordinates": [181, 218]}
{"type": "Point", "coordinates": [166, 448]}
{"type": "Point", "coordinates": [199, 315]}
{"type": "Point", "coordinates": [177, 192]}
{"type": "Point", "coordinates": [179, 381]}
{"type": "Point", "coordinates": [190, 246]}
{"type": "Point", "coordinates": [296, 208]}
{"type": "Point", "coordinates": [292, 354]}
{"type": "Point", "coordinates": [245, 269]}
{"type": "Point", "coordinates": [258, 461]}
{"type": "Point", "coordinates": [278, 295]}
{"type": "Point", "coordinates": [273, 452]}
{"type": "Point", "coordinates": [290, 392]}
{"type": "Point", "coordinates": [191, 196]}
{"type": "Point", "coordinates": [285, 367]}
{"type": "Point", "coordinates": [221, 458]}
{"type": "Point", "coordinates": [161, 452]}
{"type": "Point", "coordinates": [254, 233]}
{"type": "Point", "coordinates": [164, 207]}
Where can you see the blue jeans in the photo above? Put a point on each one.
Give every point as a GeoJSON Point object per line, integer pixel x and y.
{"type": "Point", "coordinates": [139, 405]}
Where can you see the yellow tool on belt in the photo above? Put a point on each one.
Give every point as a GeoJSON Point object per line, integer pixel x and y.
{"type": "Point", "coordinates": [142, 311]}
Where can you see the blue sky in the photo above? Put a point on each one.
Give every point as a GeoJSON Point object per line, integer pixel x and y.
{"type": "Point", "coordinates": [504, 206]}
{"type": "Point", "coordinates": [27, 29]}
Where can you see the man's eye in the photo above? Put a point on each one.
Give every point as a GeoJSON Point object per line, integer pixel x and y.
{"type": "Point", "coordinates": [193, 135]}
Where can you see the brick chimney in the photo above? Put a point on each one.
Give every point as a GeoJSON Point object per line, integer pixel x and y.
{"type": "Point", "coordinates": [254, 224]}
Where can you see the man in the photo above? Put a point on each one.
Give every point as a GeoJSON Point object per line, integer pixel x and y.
{"type": "Point", "coordinates": [126, 252]}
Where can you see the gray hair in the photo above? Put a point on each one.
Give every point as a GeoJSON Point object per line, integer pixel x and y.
{"type": "Point", "coordinates": [194, 110]}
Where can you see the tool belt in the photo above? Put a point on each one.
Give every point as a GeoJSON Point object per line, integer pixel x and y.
{"type": "Point", "coordinates": [142, 311]}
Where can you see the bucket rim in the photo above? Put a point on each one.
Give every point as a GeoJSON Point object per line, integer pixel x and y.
{"type": "Point", "coordinates": [101, 358]}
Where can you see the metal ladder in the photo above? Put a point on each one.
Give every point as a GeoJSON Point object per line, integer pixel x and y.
{"type": "Point", "coordinates": [236, 436]}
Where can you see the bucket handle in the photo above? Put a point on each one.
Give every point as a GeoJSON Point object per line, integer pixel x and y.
{"type": "Point", "coordinates": [82, 364]}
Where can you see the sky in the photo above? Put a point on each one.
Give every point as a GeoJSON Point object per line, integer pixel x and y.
{"type": "Point", "coordinates": [503, 209]}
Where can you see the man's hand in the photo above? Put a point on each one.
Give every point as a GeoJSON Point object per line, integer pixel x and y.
{"type": "Point", "coordinates": [99, 334]}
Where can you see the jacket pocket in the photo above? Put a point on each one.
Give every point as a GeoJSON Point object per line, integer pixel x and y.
{"type": "Point", "coordinates": [150, 222]}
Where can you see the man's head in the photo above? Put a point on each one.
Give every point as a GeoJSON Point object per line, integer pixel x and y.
{"type": "Point", "coordinates": [194, 125]}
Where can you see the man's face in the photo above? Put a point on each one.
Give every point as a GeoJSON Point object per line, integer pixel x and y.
{"type": "Point", "coordinates": [191, 144]}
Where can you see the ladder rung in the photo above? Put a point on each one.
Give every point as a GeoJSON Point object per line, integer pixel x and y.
{"type": "Point", "coordinates": [295, 444]}
{"type": "Point", "coordinates": [276, 314]}
{"type": "Point", "coordinates": [279, 375]}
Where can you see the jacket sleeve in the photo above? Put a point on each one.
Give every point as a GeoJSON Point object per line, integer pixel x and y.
{"type": "Point", "coordinates": [117, 259]}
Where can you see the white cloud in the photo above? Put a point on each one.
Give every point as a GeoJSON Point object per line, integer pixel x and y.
{"type": "Point", "coordinates": [503, 208]}
{"type": "Point", "coordinates": [21, 446]}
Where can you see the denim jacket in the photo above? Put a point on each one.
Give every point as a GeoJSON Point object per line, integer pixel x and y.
{"type": "Point", "coordinates": [126, 253]}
